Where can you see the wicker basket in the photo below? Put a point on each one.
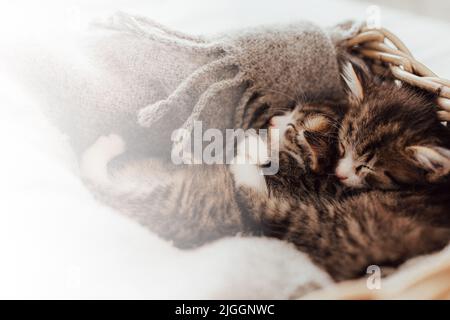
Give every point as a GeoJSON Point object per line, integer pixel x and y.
{"type": "Point", "coordinates": [391, 57]}
{"type": "Point", "coordinates": [424, 277]}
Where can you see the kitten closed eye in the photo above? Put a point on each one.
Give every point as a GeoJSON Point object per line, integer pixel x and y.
{"type": "Point", "coordinates": [390, 137]}
{"type": "Point", "coordinates": [363, 166]}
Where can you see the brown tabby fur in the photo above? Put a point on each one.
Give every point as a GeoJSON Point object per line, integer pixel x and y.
{"type": "Point", "coordinates": [345, 233]}
{"type": "Point", "coordinates": [384, 124]}
{"type": "Point", "coordinates": [189, 205]}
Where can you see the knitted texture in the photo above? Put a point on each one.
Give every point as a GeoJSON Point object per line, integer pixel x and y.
{"type": "Point", "coordinates": [294, 61]}
{"type": "Point", "coordinates": [142, 80]}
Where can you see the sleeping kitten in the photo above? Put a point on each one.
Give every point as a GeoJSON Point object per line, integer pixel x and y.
{"type": "Point", "coordinates": [391, 137]}
{"type": "Point", "coordinates": [189, 205]}
{"type": "Point", "coordinates": [343, 234]}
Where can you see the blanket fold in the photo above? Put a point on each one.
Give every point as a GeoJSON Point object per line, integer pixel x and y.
{"type": "Point", "coordinates": [134, 77]}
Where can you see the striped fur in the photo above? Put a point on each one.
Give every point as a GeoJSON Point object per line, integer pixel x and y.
{"type": "Point", "coordinates": [189, 205]}
{"type": "Point", "coordinates": [345, 236]}
{"type": "Point", "coordinates": [380, 132]}
{"type": "Point", "coordinates": [345, 231]}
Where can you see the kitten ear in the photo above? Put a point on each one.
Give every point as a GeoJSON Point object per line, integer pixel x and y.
{"type": "Point", "coordinates": [435, 160]}
{"type": "Point", "coordinates": [353, 83]}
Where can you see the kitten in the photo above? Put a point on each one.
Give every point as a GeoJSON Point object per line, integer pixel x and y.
{"type": "Point", "coordinates": [189, 205]}
{"type": "Point", "coordinates": [345, 232]}
{"type": "Point", "coordinates": [342, 233]}
{"type": "Point", "coordinates": [307, 149]}
{"type": "Point", "coordinates": [391, 137]}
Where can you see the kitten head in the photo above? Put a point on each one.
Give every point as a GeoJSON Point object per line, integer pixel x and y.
{"type": "Point", "coordinates": [307, 134]}
{"type": "Point", "coordinates": [390, 137]}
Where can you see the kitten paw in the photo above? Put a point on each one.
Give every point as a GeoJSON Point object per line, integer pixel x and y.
{"type": "Point", "coordinates": [109, 146]}
{"type": "Point", "coordinates": [95, 159]}
{"type": "Point", "coordinates": [252, 150]}
{"type": "Point", "coordinates": [250, 176]}
{"type": "Point", "coordinates": [246, 167]}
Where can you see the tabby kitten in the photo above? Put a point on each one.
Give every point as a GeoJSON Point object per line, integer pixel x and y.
{"type": "Point", "coordinates": [344, 237]}
{"type": "Point", "coordinates": [187, 204]}
{"type": "Point", "coordinates": [345, 233]}
{"type": "Point", "coordinates": [391, 137]}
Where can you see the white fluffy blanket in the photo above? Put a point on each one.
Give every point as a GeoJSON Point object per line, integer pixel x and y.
{"type": "Point", "coordinates": [58, 242]}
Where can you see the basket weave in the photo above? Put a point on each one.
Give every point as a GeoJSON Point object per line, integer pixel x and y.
{"type": "Point", "coordinates": [391, 55]}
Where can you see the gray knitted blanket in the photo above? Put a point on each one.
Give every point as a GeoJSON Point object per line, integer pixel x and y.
{"type": "Point", "coordinates": [142, 80]}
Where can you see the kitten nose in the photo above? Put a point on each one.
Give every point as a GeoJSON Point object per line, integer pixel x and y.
{"type": "Point", "coordinates": [342, 178]}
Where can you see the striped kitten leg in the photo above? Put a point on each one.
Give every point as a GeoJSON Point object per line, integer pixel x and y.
{"type": "Point", "coordinates": [188, 205]}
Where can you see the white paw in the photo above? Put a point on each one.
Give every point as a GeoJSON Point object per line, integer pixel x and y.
{"type": "Point", "coordinates": [250, 176]}
{"type": "Point", "coordinates": [95, 159]}
{"type": "Point", "coordinates": [108, 147]}
{"type": "Point", "coordinates": [252, 150]}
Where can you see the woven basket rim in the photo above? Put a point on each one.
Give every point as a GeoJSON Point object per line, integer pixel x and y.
{"type": "Point", "coordinates": [389, 53]}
